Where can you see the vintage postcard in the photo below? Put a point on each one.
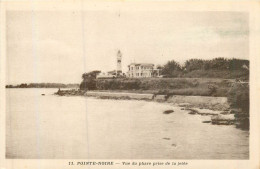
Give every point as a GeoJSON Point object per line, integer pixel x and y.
{"type": "Point", "coordinates": [127, 84]}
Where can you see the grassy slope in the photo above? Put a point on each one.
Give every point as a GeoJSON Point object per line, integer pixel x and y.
{"type": "Point", "coordinates": [176, 86]}
{"type": "Point", "coordinates": [224, 74]}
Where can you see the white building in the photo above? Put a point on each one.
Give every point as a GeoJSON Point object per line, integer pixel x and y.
{"type": "Point", "coordinates": [140, 70]}
{"type": "Point", "coordinates": [104, 75]}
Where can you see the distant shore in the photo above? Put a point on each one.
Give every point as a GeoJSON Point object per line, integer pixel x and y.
{"type": "Point", "coordinates": [43, 85]}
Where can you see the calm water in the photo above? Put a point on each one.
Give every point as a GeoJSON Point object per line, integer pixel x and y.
{"type": "Point", "coordinates": [78, 127]}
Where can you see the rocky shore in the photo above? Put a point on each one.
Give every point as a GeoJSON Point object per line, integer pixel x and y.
{"type": "Point", "coordinates": [216, 107]}
{"type": "Point", "coordinates": [72, 92]}
{"type": "Point", "coordinates": [217, 117]}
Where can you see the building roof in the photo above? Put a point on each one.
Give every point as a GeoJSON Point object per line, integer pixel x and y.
{"type": "Point", "coordinates": [142, 64]}
{"type": "Point", "coordinates": [114, 71]}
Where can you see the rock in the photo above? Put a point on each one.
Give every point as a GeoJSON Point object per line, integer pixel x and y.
{"type": "Point", "coordinates": [184, 104]}
{"type": "Point", "coordinates": [174, 145]}
{"type": "Point", "coordinates": [71, 92]}
{"type": "Point", "coordinates": [206, 122]}
{"type": "Point", "coordinates": [168, 111]}
{"type": "Point", "coordinates": [166, 138]}
{"type": "Point", "coordinates": [192, 111]}
{"type": "Point", "coordinates": [235, 111]}
{"type": "Point", "coordinates": [159, 98]}
{"type": "Point", "coordinates": [225, 112]}
{"type": "Point", "coordinates": [205, 111]}
{"type": "Point", "coordinates": [223, 119]}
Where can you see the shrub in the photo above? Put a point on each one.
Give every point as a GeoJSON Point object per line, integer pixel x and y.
{"type": "Point", "coordinates": [118, 84]}
{"type": "Point", "coordinates": [88, 84]}
{"type": "Point", "coordinates": [172, 69]}
{"type": "Point", "coordinates": [238, 97]}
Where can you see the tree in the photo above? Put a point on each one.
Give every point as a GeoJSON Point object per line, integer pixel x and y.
{"type": "Point", "coordinates": [172, 69]}
{"type": "Point", "coordinates": [88, 84]}
{"type": "Point", "coordinates": [23, 85]}
{"type": "Point", "coordinates": [92, 74]}
{"type": "Point", "coordinates": [159, 66]}
{"type": "Point", "coordinates": [89, 80]}
{"type": "Point", "coordinates": [235, 64]}
{"type": "Point", "coordinates": [194, 64]}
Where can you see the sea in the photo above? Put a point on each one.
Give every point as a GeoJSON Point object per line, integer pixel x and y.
{"type": "Point", "coordinates": [41, 125]}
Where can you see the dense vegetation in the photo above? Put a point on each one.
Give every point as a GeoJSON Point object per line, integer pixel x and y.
{"type": "Point", "coordinates": [238, 97]}
{"type": "Point", "coordinates": [172, 69]}
{"type": "Point", "coordinates": [43, 85]}
{"type": "Point", "coordinates": [215, 68]}
{"type": "Point", "coordinates": [89, 80]}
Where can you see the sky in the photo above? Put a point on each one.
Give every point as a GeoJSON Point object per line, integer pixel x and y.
{"type": "Point", "coordinates": [59, 46]}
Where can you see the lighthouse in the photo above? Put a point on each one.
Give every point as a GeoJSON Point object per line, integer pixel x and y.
{"type": "Point", "coordinates": [119, 63]}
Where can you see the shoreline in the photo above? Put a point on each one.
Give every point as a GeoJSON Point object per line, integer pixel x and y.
{"type": "Point", "coordinates": [213, 103]}
{"type": "Point", "coordinates": [206, 102]}
{"type": "Point", "coordinates": [216, 107]}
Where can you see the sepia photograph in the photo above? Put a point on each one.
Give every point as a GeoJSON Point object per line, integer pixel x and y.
{"type": "Point", "coordinates": [115, 83]}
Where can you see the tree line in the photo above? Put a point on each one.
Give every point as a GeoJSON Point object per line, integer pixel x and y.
{"type": "Point", "coordinates": [207, 68]}
{"type": "Point", "coordinates": [43, 85]}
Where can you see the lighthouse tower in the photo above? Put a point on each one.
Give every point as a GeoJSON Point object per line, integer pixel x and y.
{"type": "Point", "coordinates": [119, 63]}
